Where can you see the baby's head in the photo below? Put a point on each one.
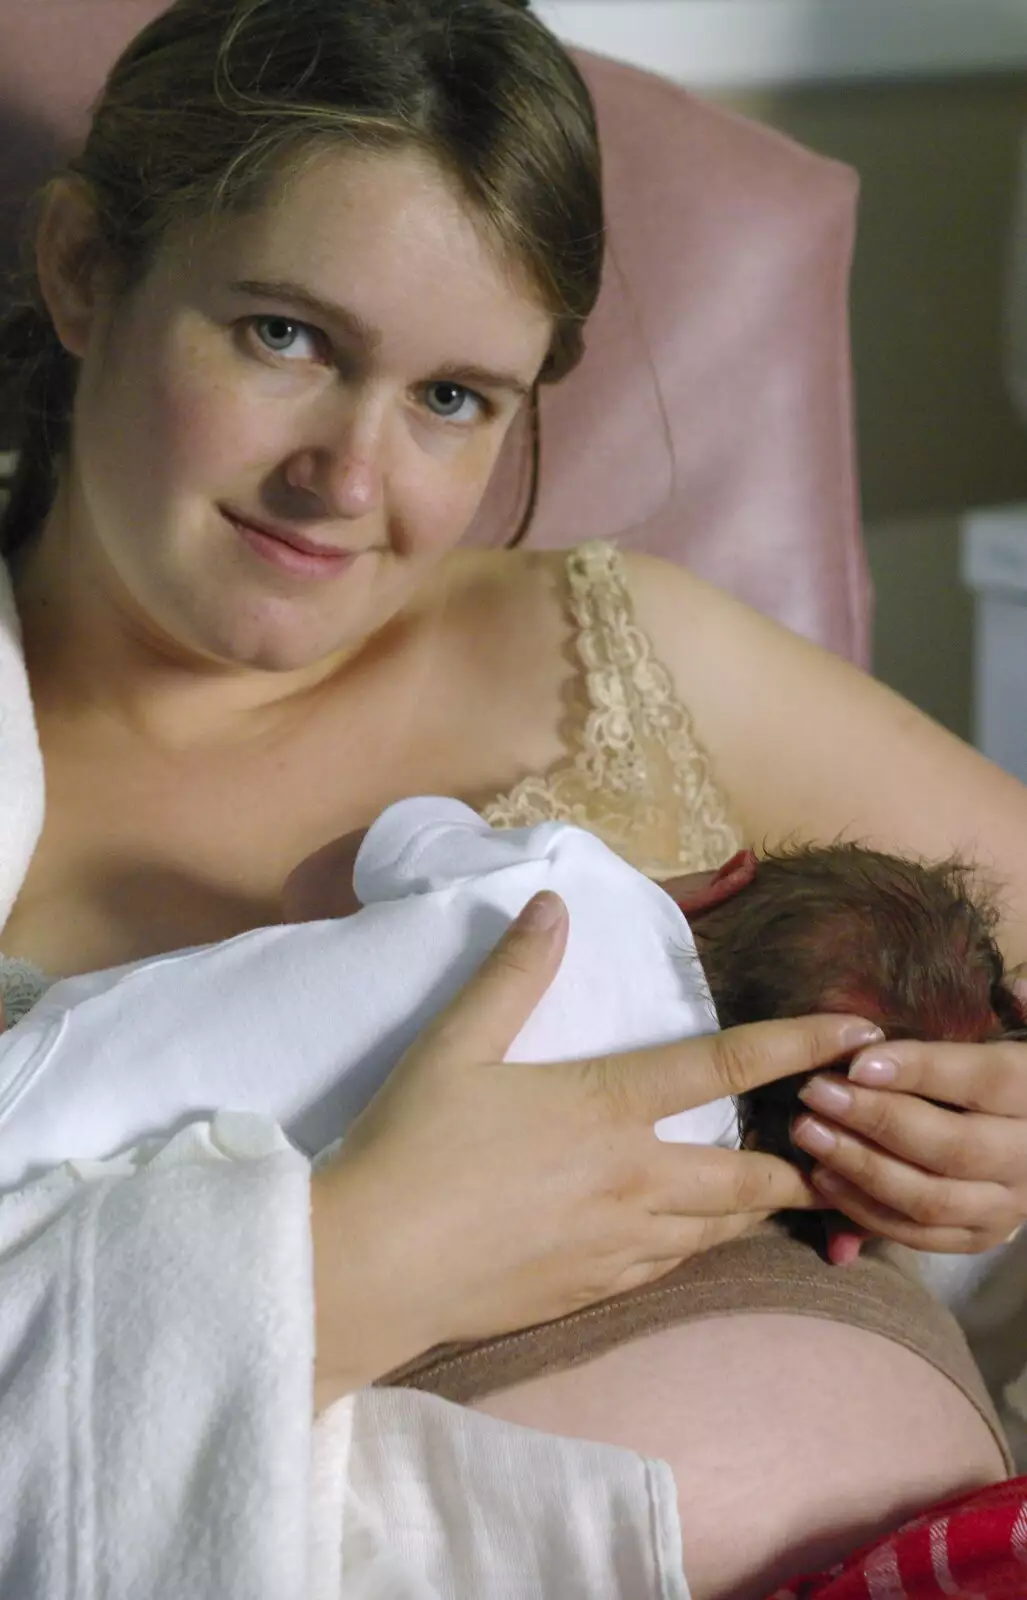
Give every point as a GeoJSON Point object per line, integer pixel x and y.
{"type": "Point", "coordinates": [841, 928]}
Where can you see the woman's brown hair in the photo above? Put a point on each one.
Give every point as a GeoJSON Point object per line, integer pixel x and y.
{"type": "Point", "coordinates": [216, 101]}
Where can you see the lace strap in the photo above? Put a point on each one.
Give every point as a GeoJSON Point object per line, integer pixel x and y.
{"type": "Point", "coordinates": [630, 694]}
{"type": "Point", "coordinates": [635, 772]}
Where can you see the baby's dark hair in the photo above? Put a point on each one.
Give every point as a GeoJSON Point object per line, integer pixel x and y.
{"type": "Point", "coordinates": [906, 944]}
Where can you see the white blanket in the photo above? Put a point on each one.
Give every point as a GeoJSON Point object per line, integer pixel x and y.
{"type": "Point", "coordinates": [302, 1023]}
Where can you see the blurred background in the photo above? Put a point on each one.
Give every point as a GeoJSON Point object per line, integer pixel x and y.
{"type": "Point", "coordinates": [927, 99]}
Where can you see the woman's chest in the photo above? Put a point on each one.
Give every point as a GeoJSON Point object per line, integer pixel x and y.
{"type": "Point", "coordinates": [141, 854]}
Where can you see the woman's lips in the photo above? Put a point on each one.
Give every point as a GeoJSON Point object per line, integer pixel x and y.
{"type": "Point", "coordinates": [290, 552]}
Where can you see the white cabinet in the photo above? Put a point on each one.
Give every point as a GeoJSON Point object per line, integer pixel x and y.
{"type": "Point", "coordinates": [994, 560]}
{"type": "Point", "coordinates": [731, 43]}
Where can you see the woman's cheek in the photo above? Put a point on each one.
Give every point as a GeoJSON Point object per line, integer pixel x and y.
{"type": "Point", "coordinates": [427, 493]}
{"type": "Point", "coordinates": [209, 428]}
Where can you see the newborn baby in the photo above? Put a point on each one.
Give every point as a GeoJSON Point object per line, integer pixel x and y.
{"type": "Point", "coordinates": [303, 1022]}
{"type": "Point", "coordinates": [818, 928]}
{"type": "Point", "coordinates": [846, 929]}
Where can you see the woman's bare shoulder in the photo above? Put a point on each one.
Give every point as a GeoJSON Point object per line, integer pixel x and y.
{"type": "Point", "coordinates": [510, 577]}
{"type": "Point", "coordinates": [506, 637]}
{"type": "Point", "coordinates": [504, 603]}
{"type": "Point", "coordinates": [809, 746]}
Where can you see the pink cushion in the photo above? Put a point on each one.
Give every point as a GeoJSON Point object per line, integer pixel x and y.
{"type": "Point", "coordinates": [711, 420]}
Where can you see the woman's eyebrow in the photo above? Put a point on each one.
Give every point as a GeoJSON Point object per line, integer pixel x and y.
{"type": "Point", "coordinates": [467, 375]}
{"type": "Point", "coordinates": [473, 377]}
{"type": "Point", "coordinates": [295, 294]}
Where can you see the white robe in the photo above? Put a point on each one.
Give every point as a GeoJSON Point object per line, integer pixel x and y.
{"type": "Point", "coordinates": [156, 1347]}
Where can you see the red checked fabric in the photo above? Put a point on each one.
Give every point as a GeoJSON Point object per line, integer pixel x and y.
{"type": "Point", "coordinates": [973, 1548]}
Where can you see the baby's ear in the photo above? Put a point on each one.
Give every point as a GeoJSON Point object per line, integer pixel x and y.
{"type": "Point", "coordinates": [322, 885]}
{"type": "Point", "coordinates": [701, 891]}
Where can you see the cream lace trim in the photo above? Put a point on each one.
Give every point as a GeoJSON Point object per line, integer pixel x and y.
{"type": "Point", "coordinates": [637, 775]}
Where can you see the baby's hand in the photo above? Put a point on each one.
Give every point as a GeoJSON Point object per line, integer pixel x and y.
{"type": "Point", "coordinates": [322, 885]}
{"type": "Point", "coordinates": [844, 1241]}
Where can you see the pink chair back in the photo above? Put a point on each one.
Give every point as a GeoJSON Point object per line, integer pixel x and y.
{"type": "Point", "coordinates": [711, 420]}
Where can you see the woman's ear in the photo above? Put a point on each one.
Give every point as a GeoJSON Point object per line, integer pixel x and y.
{"type": "Point", "coordinates": [74, 273]}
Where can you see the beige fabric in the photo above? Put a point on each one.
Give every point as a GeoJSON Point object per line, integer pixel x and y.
{"type": "Point", "coordinates": [766, 1271]}
{"type": "Point", "coordinates": [635, 775]}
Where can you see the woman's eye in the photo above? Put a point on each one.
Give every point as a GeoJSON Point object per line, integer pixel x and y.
{"type": "Point", "coordinates": [453, 402]}
{"type": "Point", "coordinates": [283, 336]}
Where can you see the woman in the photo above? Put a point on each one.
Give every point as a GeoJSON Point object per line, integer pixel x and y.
{"type": "Point", "coordinates": [314, 259]}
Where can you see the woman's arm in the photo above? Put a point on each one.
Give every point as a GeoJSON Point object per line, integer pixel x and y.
{"type": "Point", "coordinates": [809, 747]}
{"type": "Point", "coordinates": [475, 1196]}
{"type": "Point", "coordinates": [160, 1314]}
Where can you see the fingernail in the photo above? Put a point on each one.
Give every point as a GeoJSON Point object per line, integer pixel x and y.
{"type": "Point", "coordinates": [542, 914]}
{"type": "Point", "coordinates": [860, 1035]}
{"type": "Point", "coordinates": [873, 1072]}
{"type": "Point", "coordinates": [826, 1095]}
{"type": "Point", "coordinates": [813, 1136]}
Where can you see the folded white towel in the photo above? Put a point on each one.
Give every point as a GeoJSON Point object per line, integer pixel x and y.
{"type": "Point", "coordinates": [303, 1022]}
{"type": "Point", "coordinates": [155, 1362]}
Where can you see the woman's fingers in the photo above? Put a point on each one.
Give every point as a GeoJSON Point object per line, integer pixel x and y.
{"type": "Point", "coordinates": [967, 1145]}
{"type": "Point", "coordinates": [978, 1077]}
{"type": "Point", "coordinates": [935, 1134]}
{"type": "Point", "coordinates": [705, 1181]}
{"type": "Point", "coordinates": [922, 1197]}
{"type": "Point", "coordinates": [884, 1222]}
{"type": "Point", "coordinates": [487, 1015]}
{"type": "Point", "coordinates": [675, 1077]}
{"type": "Point", "coordinates": [677, 1239]}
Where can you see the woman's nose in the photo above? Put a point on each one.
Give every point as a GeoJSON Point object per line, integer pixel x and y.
{"type": "Point", "coordinates": [343, 470]}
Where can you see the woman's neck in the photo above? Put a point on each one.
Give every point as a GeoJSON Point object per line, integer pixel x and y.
{"type": "Point", "coordinates": [94, 659]}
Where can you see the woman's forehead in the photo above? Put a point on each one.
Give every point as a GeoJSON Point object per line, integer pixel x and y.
{"type": "Point", "coordinates": [388, 240]}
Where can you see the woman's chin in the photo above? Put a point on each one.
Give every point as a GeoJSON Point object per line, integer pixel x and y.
{"type": "Point", "coordinates": [253, 638]}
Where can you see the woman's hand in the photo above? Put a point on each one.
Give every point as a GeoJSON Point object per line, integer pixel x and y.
{"type": "Point", "coordinates": [474, 1197]}
{"type": "Point", "coordinates": [918, 1172]}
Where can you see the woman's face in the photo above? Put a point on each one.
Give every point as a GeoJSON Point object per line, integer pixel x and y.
{"type": "Point", "coordinates": [289, 421]}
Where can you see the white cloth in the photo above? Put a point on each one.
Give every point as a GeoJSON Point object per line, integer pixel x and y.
{"type": "Point", "coordinates": [155, 1351]}
{"type": "Point", "coordinates": [22, 794]}
{"type": "Point", "coordinates": [302, 1023]}
{"type": "Point", "coordinates": [537, 1515]}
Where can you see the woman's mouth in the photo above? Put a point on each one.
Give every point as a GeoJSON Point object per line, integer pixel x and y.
{"type": "Point", "coordinates": [289, 551]}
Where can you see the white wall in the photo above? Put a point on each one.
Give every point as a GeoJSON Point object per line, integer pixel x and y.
{"type": "Point", "coordinates": [729, 43]}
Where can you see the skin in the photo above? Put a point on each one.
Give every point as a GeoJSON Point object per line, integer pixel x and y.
{"type": "Point", "coordinates": [208, 720]}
